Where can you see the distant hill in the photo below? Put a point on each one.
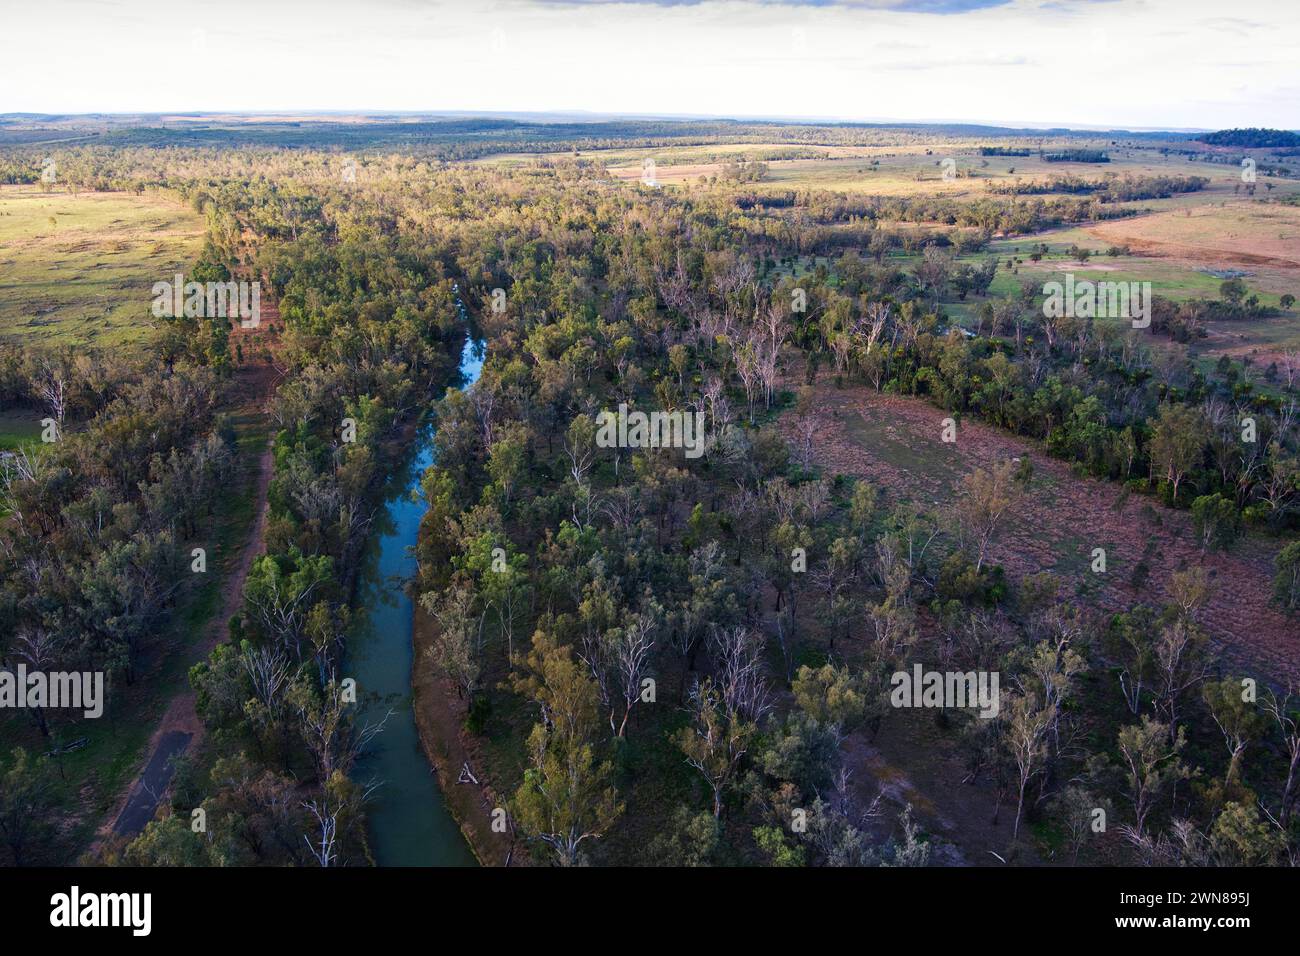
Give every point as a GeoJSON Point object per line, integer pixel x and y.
{"type": "Point", "coordinates": [1252, 138]}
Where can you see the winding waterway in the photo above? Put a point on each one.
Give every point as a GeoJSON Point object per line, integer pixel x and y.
{"type": "Point", "coordinates": [409, 823]}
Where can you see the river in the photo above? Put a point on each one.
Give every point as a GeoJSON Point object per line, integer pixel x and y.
{"type": "Point", "coordinates": [409, 823]}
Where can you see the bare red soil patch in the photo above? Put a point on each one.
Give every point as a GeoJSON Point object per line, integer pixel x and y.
{"type": "Point", "coordinates": [895, 442]}
{"type": "Point", "coordinates": [1236, 233]}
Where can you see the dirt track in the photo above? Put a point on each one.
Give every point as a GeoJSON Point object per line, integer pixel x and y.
{"type": "Point", "coordinates": [180, 727]}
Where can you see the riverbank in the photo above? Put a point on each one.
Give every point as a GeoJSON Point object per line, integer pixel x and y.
{"type": "Point", "coordinates": [440, 722]}
{"type": "Point", "coordinates": [407, 822]}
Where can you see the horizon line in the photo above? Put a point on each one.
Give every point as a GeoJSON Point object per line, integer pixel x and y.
{"type": "Point", "coordinates": [800, 120]}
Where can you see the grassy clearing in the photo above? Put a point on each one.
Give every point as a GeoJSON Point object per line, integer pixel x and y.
{"type": "Point", "coordinates": [1179, 276]}
{"type": "Point", "coordinates": [19, 428]}
{"type": "Point", "coordinates": [77, 269]}
{"type": "Point", "coordinates": [681, 155]}
{"type": "Point", "coordinates": [1251, 231]}
{"type": "Point", "coordinates": [1172, 280]}
{"type": "Point", "coordinates": [1176, 248]}
{"type": "Point", "coordinates": [917, 170]}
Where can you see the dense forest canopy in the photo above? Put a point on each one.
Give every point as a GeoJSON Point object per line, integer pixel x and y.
{"type": "Point", "coordinates": [664, 658]}
{"type": "Point", "coordinates": [1252, 138]}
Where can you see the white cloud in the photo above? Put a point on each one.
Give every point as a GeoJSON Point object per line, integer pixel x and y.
{"type": "Point", "coordinates": [1177, 63]}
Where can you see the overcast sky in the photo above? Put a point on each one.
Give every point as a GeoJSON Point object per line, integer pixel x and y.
{"type": "Point", "coordinates": [1114, 63]}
